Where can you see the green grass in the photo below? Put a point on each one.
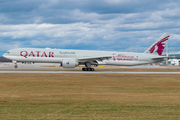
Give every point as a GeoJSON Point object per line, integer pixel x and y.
{"type": "Point", "coordinates": [89, 96]}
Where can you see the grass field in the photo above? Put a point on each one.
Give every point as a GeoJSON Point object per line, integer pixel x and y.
{"type": "Point", "coordinates": [89, 96]}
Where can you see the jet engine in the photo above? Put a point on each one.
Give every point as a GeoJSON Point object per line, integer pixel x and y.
{"type": "Point", "coordinates": [69, 63]}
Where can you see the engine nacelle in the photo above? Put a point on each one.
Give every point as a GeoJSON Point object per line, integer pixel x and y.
{"type": "Point", "coordinates": [69, 63]}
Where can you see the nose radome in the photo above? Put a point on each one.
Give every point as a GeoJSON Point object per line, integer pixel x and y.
{"type": "Point", "coordinates": [4, 55]}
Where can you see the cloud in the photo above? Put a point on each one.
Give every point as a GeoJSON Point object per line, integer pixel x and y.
{"type": "Point", "coordinates": [70, 11]}
{"type": "Point", "coordinates": [87, 24]}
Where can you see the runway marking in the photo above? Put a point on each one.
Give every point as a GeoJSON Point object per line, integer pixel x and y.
{"type": "Point", "coordinates": [95, 72]}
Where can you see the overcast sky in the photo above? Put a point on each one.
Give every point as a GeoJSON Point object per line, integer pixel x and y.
{"type": "Point", "coordinates": [113, 25]}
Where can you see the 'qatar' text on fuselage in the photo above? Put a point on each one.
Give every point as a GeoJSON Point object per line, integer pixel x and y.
{"type": "Point", "coordinates": [36, 54]}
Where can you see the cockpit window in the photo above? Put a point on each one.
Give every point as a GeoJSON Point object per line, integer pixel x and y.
{"type": "Point", "coordinates": [8, 52]}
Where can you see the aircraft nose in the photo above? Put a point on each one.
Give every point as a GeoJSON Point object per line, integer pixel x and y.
{"type": "Point", "coordinates": [4, 55]}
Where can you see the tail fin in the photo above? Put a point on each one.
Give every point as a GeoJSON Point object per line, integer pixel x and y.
{"type": "Point", "coordinates": [158, 47]}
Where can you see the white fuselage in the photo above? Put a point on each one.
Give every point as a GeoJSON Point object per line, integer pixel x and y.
{"type": "Point", "coordinates": [57, 56]}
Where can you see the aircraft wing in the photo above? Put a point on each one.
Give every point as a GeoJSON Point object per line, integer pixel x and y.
{"type": "Point", "coordinates": [99, 58]}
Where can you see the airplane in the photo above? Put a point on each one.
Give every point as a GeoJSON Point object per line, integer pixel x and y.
{"type": "Point", "coordinates": [72, 58]}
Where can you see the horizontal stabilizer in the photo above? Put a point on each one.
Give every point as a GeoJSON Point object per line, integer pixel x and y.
{"type": "Point", "coordinates": [160, 58]}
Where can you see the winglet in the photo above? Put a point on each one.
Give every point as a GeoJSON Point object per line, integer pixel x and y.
{"type": "Point", "coordinates": [158, 47]}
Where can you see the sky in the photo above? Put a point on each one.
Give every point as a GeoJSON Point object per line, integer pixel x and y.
{"type": "Point", "coordinates": [110, 25]}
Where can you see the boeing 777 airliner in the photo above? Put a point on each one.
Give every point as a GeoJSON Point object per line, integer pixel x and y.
{"type": "Point", "coordinates": [73, 58]}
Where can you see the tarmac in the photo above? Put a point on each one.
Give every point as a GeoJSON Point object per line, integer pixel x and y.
{"type": "Point", "coordinates": [10, 65]}
{"type": "Point", "coordinates": [8, 68]}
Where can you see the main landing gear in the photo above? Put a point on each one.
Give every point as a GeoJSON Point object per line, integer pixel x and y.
{"type": "Point", "coordinates": [87, 69]}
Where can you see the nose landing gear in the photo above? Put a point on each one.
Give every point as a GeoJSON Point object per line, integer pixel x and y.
{"type": "Point", "coordinates": [15, 64]}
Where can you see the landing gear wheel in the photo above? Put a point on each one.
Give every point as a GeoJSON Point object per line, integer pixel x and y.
{"type": "Point", "coordinates": [15, 66]}
{"type": "Point", "coordinates": [84, 69]}
{"type": "Point", "coordinates": [87, 69]}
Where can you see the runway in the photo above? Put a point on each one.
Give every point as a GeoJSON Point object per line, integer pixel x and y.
{"type": "Point", "coordinates": [43, 68]}
{"type": "Point", "coordinates": [95, 72]}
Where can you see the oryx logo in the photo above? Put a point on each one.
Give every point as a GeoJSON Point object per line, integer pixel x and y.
{"type": "Point", "coordinates": [67, 63]}
{"type": "Point", "coordinates": [159, 46]}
